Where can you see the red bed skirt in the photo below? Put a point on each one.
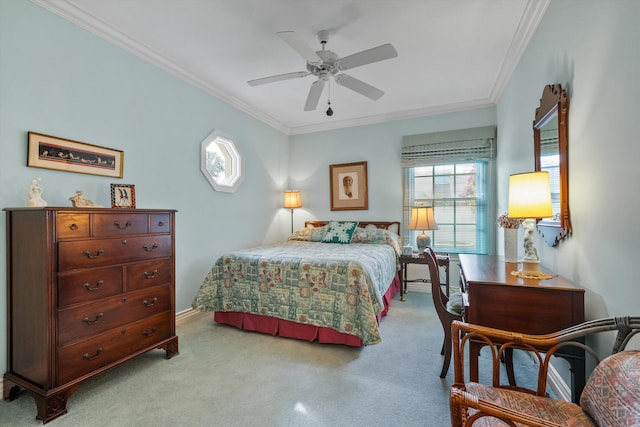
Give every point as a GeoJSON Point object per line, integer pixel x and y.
{"type": "Point", "coordinates": [289, 329]}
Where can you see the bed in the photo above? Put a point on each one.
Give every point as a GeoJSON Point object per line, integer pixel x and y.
{"type": "Point", "coordinates": [330, 282]}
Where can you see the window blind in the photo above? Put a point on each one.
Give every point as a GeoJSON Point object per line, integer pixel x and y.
{"type": "Point", "coordinates": [475, 145]}
{"type": "Point", "coordinates": [448, 147]}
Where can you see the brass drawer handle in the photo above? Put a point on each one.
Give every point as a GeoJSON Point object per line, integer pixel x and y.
{"type": "Point", "coordinates": [150, 304]}
{"type": "Point", "coordinates": [150, 276]}
{"type": "Point", "coordinates": [88, 287]}
{"type": "Point", "coordinates": [73, 227]}
{"type": "Point", "coordinates": [95, 356]}
{"type": "Point", "coordinates": [122, 227]}
{"type": "Point", "coordinates": [88, 254]}
{"type": "Point", "coordinates": [93, 322]}
{"type": "Point", "coordinates": [160, 223]}
{"type": "Point", "coordinates": [150, 249]}
{"type": "Point", "coordinates": [148, 334]}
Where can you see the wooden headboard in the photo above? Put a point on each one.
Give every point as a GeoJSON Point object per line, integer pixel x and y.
{"type": "Point", "coordinates": [393, 226]}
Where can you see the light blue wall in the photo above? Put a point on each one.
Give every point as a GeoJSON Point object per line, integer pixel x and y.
{"type": "Point", "coordinates": [380, 146]}
{"type": "Point", "coordinates": [58, 79]}
{"type": "Point", "coordinates": [591, 48]}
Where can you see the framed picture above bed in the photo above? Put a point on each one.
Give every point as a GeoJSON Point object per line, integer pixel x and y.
{"type": "Point", "coordinates": [348, 185]}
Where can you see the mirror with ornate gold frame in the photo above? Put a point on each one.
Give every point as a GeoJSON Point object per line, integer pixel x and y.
{"type": "Point", "coordinates": [550, 139]}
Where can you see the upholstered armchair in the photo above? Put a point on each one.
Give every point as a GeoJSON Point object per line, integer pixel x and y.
{"type": "Point", "coordinates": [611, 396]}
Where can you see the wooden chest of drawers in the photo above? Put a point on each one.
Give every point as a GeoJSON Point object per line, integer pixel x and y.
{"type": "Point", "coordinates": [87, 289]}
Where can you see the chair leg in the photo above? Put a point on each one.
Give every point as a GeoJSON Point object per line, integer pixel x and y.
{"type": "Point", "coordinates": [444, 342]}
{"type": "Point", "coordinates": [447, 352]}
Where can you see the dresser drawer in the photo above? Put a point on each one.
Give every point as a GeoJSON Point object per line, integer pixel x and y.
{"type": "Point", "coordinates": [103, 252]}
{"type": "Point", "coordinates": [112, 224]}
{"type": "Point", "coordinates": [89, 285]}
{"type": "Point", "coordinates": [150, 273]}
{"type": "Point", "coordinates": [160, 223]}
{"type": "Point", "coordinates": [69, 225]}
{"type": "Point", "coordinates": [89, 319]}
{"type": "Point", "coordinates": [85, 356]}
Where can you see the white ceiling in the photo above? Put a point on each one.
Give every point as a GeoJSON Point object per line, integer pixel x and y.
{"type": "Point", "coordinates": [453, 55]}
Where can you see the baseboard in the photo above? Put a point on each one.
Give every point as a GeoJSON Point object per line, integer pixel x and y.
{"type": "Point", "coordinates": [181, 317]}
{"type": "Point", "coordinates": [558, 385]}
{"type": "Point", "coordinates": [186, 315]}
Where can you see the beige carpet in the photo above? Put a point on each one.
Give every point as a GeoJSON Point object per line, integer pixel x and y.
{"type": "Point", "coordinates": [227, 377]}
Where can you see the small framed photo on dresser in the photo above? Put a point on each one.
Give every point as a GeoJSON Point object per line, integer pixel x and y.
{"type": "Point", "coordinates": [123, 196]}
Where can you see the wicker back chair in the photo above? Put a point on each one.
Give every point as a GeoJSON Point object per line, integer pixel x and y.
{"type": "Point", "coordinates": [611, 396]}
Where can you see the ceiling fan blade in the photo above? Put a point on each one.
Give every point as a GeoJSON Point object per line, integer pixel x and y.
{"type": "Point", "coordinates": [277, 78]}
{"type": "Point", "coordinates": [359, 86]}
{"type": "Point", "coordinates": [314, 95]}
{"type": "Point", "coordinates": [297, 44]}
{"type": "Point", "coordinates": [375, 54]}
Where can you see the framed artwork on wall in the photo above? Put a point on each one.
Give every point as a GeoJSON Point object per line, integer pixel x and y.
{"type": "Point", "coordinates": [348, 186]}
{"type": "Point", "coordinates": [123, 196]}
{"type": "Point", "coordinates": [51, 152]}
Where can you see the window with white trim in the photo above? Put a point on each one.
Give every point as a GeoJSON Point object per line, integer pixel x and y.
{"type": "Point", "coordinates": [452, 172]}
{"type": "Point", "coordinates": [458, 195]}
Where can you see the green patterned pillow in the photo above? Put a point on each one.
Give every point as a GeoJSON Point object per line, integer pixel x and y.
{"type": "Point", "coordinates": [340, 232]}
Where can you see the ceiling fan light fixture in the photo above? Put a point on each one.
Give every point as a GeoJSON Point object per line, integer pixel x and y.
{"type": "Point", "coordinates": [325, 64]}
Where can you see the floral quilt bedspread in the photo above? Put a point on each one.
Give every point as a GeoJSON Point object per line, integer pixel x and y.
{"type": "Point", "coordinates": [322, 284]}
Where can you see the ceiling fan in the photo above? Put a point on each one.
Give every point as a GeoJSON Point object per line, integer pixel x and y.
{"type": "Point", "coordinates": [325, 63]}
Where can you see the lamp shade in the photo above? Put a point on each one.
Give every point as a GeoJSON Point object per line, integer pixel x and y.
{"type": "Point", "coordinates": [292, 199]}
{"type": "Point", "coordinates": [530, 195]}
{"type": "Point", "coordinates": [422, 218]}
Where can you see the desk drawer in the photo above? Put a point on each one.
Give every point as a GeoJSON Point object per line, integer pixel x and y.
{"type": "Point", "coordinates": [91, 354]}
{"type": "Point", "coordinates": [103, 252]}
{"type": "Point", "coordinates": [527, 310]}
{"type": "Point", "coordinates": [83, 321]}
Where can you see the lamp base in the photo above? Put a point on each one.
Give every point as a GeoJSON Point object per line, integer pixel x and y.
{"type": "Point", "coordinates": [422, 241]}
{"type": "Point", "coordinates": [531, 270]}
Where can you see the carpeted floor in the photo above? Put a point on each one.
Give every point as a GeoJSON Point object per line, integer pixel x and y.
{"type": "Point", "coordinates": [227, 377]}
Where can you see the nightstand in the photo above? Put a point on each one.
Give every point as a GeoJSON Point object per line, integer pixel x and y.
{"type": "Point", "coordinates": [417, 258]}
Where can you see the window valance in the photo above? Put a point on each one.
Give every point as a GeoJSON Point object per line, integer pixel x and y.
{"type": "Point", "coordinates": [447, 147]}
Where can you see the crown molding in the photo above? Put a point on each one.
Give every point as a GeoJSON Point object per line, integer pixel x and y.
{"type": "Point", "coordinates": [401, 115]}
{"type": "Point", "coordinates": [94, 25]}
{"type": "Point", "coordinates": [527, 26]}
{"type": "Point", "coordinates": [534, 12]}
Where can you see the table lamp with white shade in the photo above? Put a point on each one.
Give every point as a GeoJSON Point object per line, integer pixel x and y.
{"type": "Point", "coordinates": [422, 218]}
{"type": "Point", "coordinates": [530, 198]}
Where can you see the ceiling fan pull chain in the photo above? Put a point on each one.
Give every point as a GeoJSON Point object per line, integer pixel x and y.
{"type": "Point", "coordinates": [329, 110]}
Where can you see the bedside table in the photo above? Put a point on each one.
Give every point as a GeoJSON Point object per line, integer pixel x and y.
{"type": "Point", "coordinates": [416, 258]}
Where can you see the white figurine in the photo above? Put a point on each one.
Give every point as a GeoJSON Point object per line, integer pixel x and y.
{"type": "Point", "coordinates": [80, 202]}
{"type": "Point", "coordinates": [35, 194]}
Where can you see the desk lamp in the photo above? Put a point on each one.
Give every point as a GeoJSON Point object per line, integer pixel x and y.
{"type": "Point", "coordinates": [530, 198]}
{"type": "Point", "coordinates": [422, 219]}
{"type": "Point", "coordinates": [292, 201]}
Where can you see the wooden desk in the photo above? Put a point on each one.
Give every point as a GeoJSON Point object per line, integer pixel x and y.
{"type": "Point", "coordinates": [496, 298]}
{"type": "Point", "coordinates": [442, 259]}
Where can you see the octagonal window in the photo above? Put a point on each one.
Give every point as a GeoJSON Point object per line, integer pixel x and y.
{"type": "Point", "coordinates": [221, 162]}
